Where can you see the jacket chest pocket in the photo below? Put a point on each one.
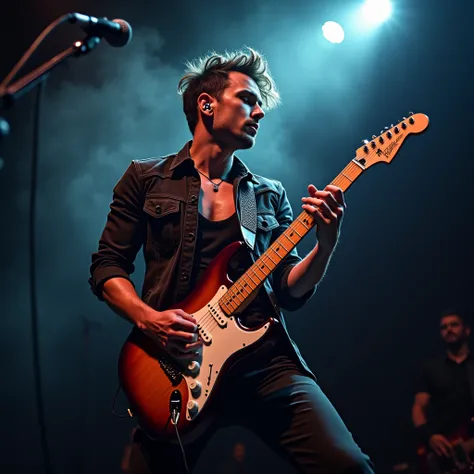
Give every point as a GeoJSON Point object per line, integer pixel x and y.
{"type": "Point", "coordinates": [266, 222]}
{"type": "Point", "coordinates": [163, 229]}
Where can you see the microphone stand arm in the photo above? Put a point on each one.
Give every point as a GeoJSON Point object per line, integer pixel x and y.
{"type": "Point", "coordinates": [23, 85]}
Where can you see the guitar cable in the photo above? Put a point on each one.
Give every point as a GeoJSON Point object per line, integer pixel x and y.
{"type": "Point", "coordinates": [185, 462]}
{"type": "Point", "coordinates": [175, 408]}
{"type": "Point", "coordinates": [118, 415]}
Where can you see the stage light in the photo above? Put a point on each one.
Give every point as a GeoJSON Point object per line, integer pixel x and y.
{"type": "Point", "coordinates": [333, 32]}
{"type": "Point", "coordinates": [376, 11]}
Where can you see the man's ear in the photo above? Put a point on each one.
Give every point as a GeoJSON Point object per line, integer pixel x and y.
{"type": "Point", "coordinates": [205, 103]}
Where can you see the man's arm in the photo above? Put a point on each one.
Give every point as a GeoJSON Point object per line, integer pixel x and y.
{"type": "Point", "coordinates": [123, 234]}
{"type": "Point", "coordinates": [287, 300]}
{"type": "Point", "coordinates": [306, 275]}
{"type": "Point", "coordinates": [112, 264]}
{"type": "Point", "coordinates": [174, 330]}
{"type": "Point", "coordinates": [296, 279]}
{"type": "Point", "coordinates": [120, 295]}
{"type": "Point", "coordinates": [419, 416]}
{"type": "Point", "coordinates": [426, 430]}
{"type": "Point", "coordinates": [418, 411]}
{"type": "Point", "coordinates": [327, 208]}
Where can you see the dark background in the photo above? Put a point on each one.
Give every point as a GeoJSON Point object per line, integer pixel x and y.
{"type": "Point", "coordinates": [405, 252]}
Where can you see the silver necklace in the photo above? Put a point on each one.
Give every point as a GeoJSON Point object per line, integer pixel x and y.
{"type": "Point", "coordinates": [215, 186]}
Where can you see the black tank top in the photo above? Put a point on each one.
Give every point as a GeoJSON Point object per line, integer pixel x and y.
{"type": "Point", "coordinates": [214, 236]}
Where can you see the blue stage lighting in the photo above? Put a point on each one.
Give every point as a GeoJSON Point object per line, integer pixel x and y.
{"type": "Point", "coordinates": [333, 32]}
{"type": "Point", "coordinates": [376, 11]}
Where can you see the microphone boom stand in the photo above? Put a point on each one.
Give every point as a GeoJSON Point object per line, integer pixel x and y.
{"type": "Point", "coordinates": [10, 93]}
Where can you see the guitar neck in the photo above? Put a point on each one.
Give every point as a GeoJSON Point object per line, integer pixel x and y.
{"type": "Point", "coordinates": [253, 278]}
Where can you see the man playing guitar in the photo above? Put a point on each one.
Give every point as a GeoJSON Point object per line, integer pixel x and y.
{"type": "Point", "coordinates": [443, 404]}
{"type": "Point", "coordinates": [183, 210]}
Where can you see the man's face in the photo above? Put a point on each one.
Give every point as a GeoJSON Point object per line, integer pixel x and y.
{"type": "Point", "coordinates": [237, 113]}
{"type": "Point", "coordinates": [453, 331]}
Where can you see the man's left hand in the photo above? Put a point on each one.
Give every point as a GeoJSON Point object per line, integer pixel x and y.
{"type": "Point", "coordinates": [327, 208]}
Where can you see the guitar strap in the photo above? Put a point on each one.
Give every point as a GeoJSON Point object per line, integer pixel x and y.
{"type": "Point", "coordinates": [248, 212]}
{"type": "Point", "coordinates": [247, 203]}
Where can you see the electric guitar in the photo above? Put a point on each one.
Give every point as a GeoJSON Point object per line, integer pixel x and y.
{"type": "Point", "coordinates": [461, 460]}
{"type": "Point", "coordinates": [166, 394]}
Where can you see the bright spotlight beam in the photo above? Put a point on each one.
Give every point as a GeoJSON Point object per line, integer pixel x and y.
{"type": "Point", "coordinates": [333, 32]}
{"type": "Point", "coordinates": [376, 11]}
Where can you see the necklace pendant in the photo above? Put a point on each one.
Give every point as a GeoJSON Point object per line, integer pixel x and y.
{"type": "Point", "coordinates": [216, 187]}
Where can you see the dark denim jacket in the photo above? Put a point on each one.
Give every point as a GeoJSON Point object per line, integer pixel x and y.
{"type": "Point", "coordinates": [155, 205]}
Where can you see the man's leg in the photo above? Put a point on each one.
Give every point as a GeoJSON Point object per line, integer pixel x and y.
{"type": "Point", "coordinates": [294, 417]}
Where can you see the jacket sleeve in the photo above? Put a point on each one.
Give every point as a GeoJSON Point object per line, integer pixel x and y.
{"type": "Point", "coordinates": [123, 234]}
{"type": "Point", "coordinates": [284, 215]}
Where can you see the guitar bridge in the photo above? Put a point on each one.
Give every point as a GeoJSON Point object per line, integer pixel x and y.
{"type": "Point", "coordinates": [170, 369]}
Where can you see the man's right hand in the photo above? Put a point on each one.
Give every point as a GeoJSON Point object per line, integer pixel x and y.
{"type": "Point", "coordinates": [440, 445]}
{"type": "Point", "coordinates": [174, 330]}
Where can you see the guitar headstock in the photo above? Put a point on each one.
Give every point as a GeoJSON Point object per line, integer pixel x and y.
{"type": "Point", "coordinates": [383, 148]}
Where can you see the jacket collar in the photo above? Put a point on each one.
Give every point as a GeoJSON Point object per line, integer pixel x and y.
{"type": "Point", "coordinates": [239, 169]}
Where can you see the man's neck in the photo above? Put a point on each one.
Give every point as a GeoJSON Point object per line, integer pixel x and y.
{"type": "Point", "coordinates": [211, 158]}
{"type": "Point", "coordinates": [458, 354]}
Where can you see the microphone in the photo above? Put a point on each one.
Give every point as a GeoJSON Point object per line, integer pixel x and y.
{"type": "Point", "coordinates": [117, 32]}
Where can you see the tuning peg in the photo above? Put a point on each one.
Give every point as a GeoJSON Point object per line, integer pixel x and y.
{"type": "Point", "coordinates": [404, 118]}
{"type": "Point", "coordinates": [365, 141]}
{"type": "Point", "coordinates": [391, 126]}
{"type": "Point", "coordinates": [410, 113]}
{"type": "Point", "coordinates": [373, 137]}
{"type": "Point", "coordinates": [386, 128]}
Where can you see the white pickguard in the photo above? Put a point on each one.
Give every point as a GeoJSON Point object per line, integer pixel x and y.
{"type": "Point", "coordinates": [224, 342]}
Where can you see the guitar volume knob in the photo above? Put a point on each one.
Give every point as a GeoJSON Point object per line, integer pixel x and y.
{"type": "Point", "coordinates": [192, 407]}
{"type": "Point", "coordinates": [195, 387]}
{"type": "Point", "coordinates": [194, 367]}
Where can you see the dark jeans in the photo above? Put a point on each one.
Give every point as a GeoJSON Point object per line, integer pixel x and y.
{"type": "Point", "coordinates": [284, 407]}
